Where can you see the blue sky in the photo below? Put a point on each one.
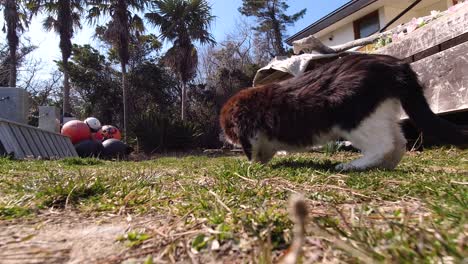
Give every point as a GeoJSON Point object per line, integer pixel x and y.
{"type": "Point", "coordinates": [226, 13]}
{"type": "Point", "coordinates": [226, 16]}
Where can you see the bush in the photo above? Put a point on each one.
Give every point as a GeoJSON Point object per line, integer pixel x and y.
{"type": "Point", "coordinates": [156, 133]}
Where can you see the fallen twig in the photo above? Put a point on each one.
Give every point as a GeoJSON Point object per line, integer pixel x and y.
{"type": "Point", "coordinates": [245, 178]}
{"type": "Point", "coordinates": [461, 183]}
{"type": "Point", "coordinates": [68, 197]}
{"type": "Point", "coordinates": [219, 201]}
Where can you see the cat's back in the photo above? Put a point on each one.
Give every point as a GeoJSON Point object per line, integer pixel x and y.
{"type": "Point", "coordinates": [346, 77]}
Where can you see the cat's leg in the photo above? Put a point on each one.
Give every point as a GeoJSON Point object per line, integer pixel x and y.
{"type": "Point", "coordinates": [394, 157]}
{"type": "Point", "coordinates": [379, 138]}
{"type": "Point", "coordinates": [374, 148]}
{"type": "Point", "coordinates": [386, 154]}
{"type": "Point", "coordinates": [262, 149]}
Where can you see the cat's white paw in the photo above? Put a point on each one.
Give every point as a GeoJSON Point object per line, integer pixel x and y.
{"type": "Point", "coordinates": [345, 167]}
{"type": "Point", "coordinates": [281, 153]}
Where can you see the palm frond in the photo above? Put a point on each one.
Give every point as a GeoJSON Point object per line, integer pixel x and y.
{"type": "Point", "coordinates": [137, 24]}
{"type": "Point", "coordinates": [183, 60]}
{"type": "Point", "coordinates": [76, 18]}
{"type": "Point", "coordinates": [182, 20]}
{"type": "Point", "coordinates": [78, 5]}
{"type": "Point", "coordinates": [50, 23]}
{"type": "Point", "coordinates": [50, 7]}
{"type": "Point", "coordinates": [93, 14]}
{"type": "Point", "coordinates": [33, 6]}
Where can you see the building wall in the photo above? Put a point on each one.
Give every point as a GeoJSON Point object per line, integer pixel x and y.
{"type": "Point", "coordinates": [341, 35]}
{"type": "Point", "coordinates": [440, 6]}
{"type": "Point", "coordinates": [382, 18]}
{"type": "Point", "coordinates": [345, 33]}
{"type": "Point", "coordinates": [391, 12]}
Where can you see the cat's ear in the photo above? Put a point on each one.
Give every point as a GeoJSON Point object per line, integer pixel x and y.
{"type": "Point", "coordinates": [246, 146]}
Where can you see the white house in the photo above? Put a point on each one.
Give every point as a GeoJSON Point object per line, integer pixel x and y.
{"type": "Point", "coordinates": [361, 18]}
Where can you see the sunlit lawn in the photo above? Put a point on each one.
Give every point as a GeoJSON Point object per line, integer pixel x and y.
{"type": "Point", "coordinates": [234, 211]}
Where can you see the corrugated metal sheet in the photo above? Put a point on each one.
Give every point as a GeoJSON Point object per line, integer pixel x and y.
{"type": "Point", "coordinates": [23, 141]}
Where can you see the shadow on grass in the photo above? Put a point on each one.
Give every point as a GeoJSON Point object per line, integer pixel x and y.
{"type": "Point", "coordinates": [310, 164]}
{"type": "Point", "coordinates": [81, 161]}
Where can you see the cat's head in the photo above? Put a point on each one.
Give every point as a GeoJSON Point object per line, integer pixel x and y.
{"type": "Point", "coordinates": [228, 121]}
{"type": "Point", "coordinates": [242, 119]}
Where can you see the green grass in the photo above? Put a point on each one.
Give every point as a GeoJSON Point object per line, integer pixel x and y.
{"type": "Point", "coordinates": [416, 213]}
{"type": "Point", "coordinates": [133, 238]}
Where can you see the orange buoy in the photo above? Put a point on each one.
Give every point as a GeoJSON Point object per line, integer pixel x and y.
{"type": "Point", "coordinates": [76, 130]}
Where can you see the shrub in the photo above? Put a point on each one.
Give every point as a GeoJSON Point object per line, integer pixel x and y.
{"type": "Point", "coordinates": [156, 133]}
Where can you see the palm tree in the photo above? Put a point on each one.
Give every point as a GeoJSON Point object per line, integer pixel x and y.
{"type": "Point", "coordinates": [182, 22]}
{"type": "Point", "coordinates": [62, 17]}
{"type": "Point", "coordinates": [16, 21]}
{"type": "Point", "coordinates": [118, 31]}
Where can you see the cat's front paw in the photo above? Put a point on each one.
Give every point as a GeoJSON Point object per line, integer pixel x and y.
{"type": "Point", "coordinates": [345, 167]}
{"type": "Point", "coordinates": [281, 153]}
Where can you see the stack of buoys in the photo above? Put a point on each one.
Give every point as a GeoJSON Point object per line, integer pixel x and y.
{"type": "Point", "coordinates": [93, 140]}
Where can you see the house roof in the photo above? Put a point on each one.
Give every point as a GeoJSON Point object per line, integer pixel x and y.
{"type": "Point", "coordinates": [335, 16]}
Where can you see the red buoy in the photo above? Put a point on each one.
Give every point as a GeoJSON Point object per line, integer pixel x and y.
{"type": "Point", "coordinates": [109, 131]}
{"type": "Point", "coordinates": [97, 136]}
{"type": "Point", "coordinates": [76, 130]}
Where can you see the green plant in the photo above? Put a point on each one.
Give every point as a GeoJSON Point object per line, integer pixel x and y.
{"type": "Point", "coordinates": [133, 238]}
{"type": "Point", "coordinates": [331, 147]}
{"type": "Point", "coordinates": [10, 212]}
{"type": "Point", "coordinates": [156, 133]}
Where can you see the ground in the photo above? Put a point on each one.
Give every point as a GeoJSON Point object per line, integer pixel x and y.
{"type": "Point", "coordinates": [202, 209]}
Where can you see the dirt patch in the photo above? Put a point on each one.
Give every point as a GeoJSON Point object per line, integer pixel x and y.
{"type": "Point", "coordinates": [65, 238]}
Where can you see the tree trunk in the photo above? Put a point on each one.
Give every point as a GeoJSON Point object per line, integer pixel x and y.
{"type": "Point", "coordinates": [278, 39]}
{"type": "Point", "coordinates": [184, 101]}
{"type": "Point", "coordinates": [64, 16]}
{"type": "Point", "coordinates": [124, 99]}
{"type": "Point", "coordinates": [277, 32]}
{"type": "Point", "coordinates": [66, 87]}
{"type": "Point", "coordinates": [12, 68]}
{"type": "Point", "coordinates": [11, 18]}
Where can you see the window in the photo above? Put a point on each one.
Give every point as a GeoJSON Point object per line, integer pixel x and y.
{"type": "Point", "coordinates": [366, 25]}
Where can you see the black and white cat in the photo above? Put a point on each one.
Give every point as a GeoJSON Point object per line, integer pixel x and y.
{"type": "Point", "coordinates": [356, 97]}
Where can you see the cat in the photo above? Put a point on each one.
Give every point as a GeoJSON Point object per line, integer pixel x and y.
{"type": "Point", "coordinates": [357, 97]}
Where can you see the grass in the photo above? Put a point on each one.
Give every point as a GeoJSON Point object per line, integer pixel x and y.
{"type": "Point", "coordinates": [133, 238]}
{"type": "Point", "coordinates": [228, 209]}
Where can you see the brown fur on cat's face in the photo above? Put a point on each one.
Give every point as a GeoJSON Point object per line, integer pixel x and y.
{"type": "Point", "coordinates": [227, 121]}
{"type": "Point", "coordinates": [234, 114]}
{"type": "Point", "coordinates": [248, 103]}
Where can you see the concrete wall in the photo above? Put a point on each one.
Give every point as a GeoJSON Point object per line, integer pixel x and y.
{"type": "Point", "coordinates": [49, 118]}
{"type": "Point", "coordinates": [444, 73]}
{"type": "Point", "coordinates": [14, 104]}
